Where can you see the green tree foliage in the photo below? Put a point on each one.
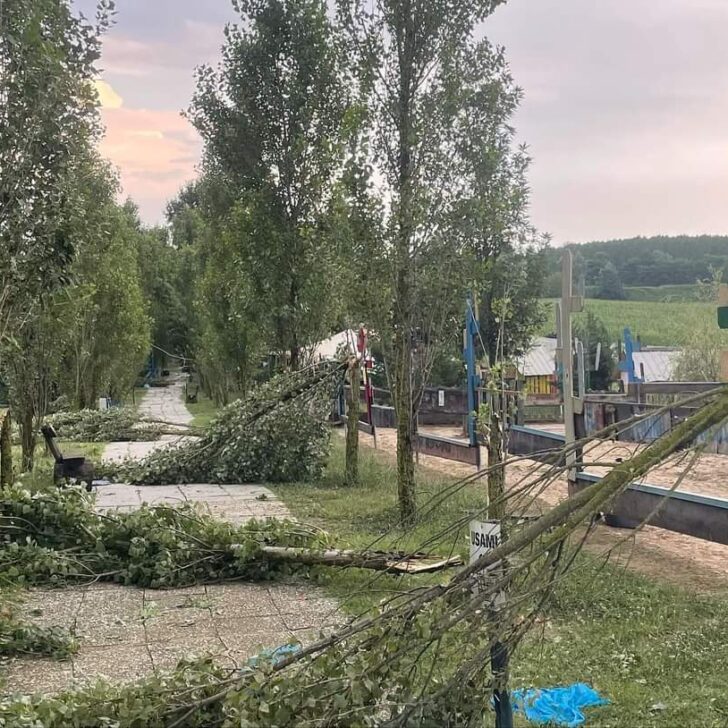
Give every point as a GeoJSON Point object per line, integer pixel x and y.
{"type": "Point", "coordinates": [656, 261]}
{"type": "Point", "coordinates": [592, 332]}
{"type": "Point", "coordinates": [435, 165]}
{"type": "Point", "coordinates": [90, 337]}
{"type": "Point", "coordinates": [492, 212]}
{"type": "Point", "coordinates": [273, 118]}
{"type": "Point", "coordinates": [227, 326]}
{"type": "Point", "coordinates": [699, 359]}
{"type": "Point", "coordinates": [610, 284]}
{"type": "Point", "coordinates": [72, 319]}
{"type": "Point", "coordinates": [47, 117]}
{"type": "Point", "coordinates": [278, 433]}
{"type": "Point", "coordinates": [102, 314]}
{"type": "Point", "coordinates": [164, 282]}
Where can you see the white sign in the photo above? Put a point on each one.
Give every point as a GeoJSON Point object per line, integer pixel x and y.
{"type": "Point", "coordinates": [440, 397]}
{"type": "Point", "coordinates": [484, 537]}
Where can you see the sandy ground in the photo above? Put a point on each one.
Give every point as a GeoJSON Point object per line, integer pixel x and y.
{"type": "Point", "coordinates": [690, 562]}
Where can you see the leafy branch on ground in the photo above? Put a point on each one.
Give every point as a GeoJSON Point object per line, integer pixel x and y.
{"type": "Point", "coordinates": [58, 538]}
{"type": "Point", "coordinates": [118, 424]}
{"type": "Point", "coordinates": [19, 637]}
{"type": "Point", "coordinates": [278, 433]}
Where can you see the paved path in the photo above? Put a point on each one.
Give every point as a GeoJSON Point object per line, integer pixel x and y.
{"type": "Point", "coordinates": [159, 403]}
{"type": "Point", "coordinates": [126, 632]}
{"type": "Point", "coordinates": [234, 503]}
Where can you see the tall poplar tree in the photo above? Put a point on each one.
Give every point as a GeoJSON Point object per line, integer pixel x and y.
{"type": "Point", "coordinates": [411, 56]}
{"type": "Point", "coordinates": [274, 118]}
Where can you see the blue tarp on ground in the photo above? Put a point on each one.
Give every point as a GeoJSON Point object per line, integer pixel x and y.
{"type": "Point", "coordinates": [274, 655]}
{"type": "Point", "coordinates": [557, 706]}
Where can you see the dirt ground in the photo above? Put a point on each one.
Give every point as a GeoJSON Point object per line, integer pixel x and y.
{"type": "Point", "coordinates": [679, 559]}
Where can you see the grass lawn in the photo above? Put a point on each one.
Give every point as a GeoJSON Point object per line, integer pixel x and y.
{"type": "Point", "coordinates": [203, 411]}
{"type": "Point", "coordinates": [658, 653]}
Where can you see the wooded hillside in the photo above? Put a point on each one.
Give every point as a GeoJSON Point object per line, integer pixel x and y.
{"type": "Point", "coordinates": [656, 261]}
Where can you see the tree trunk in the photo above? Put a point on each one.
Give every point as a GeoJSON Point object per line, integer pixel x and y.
{"type": "Point", "coordinates": [352, 426]}
{"type": "Point", "coordinates": [402, 399]}
{"type": "Point", "coordinates": [499, 654]}
{"type": "Point", "coordinates": [27, 440]}
{"type": "Point", "coordinates": [496, 475]}
{"type": "Point", "coordinates": [377, 561]}
{"type": "Point", "coordinates": [6, 452]}
{"type": "Point", "coordinates": [403, 303]}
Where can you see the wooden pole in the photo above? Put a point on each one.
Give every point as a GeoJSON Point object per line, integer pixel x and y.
{"type": "Point", "coordinates": [569, 305]}
{"type": "Point", "coordinates": [352, 425]}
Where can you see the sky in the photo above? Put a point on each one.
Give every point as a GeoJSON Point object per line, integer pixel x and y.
{"type": "Point", "coordinates": [625, 108]}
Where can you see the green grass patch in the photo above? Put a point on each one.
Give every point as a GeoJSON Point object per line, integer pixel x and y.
{"type": "Point", "coordinates": [367, 516]}
{"type": "Point", "coordinates": [656, 323]}
{"type": "Point", "coordinates": [203, 411]}
{"type": "Point", "coordinates": [657, 652]}
{"type": "Point", "coordinates": [41, 478]}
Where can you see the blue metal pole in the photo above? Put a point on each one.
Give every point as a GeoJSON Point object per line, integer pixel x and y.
{"type": "Point", "coordinates": [471, 331]}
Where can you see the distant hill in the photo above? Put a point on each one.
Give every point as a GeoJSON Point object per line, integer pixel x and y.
{"type": "Point", "coordinates": [609, 268]}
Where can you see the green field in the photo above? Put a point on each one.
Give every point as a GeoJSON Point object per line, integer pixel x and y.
{"type": "Point", "coordinates": [656, 323]}
{"type": "Point", "coordinates": [676, 293]}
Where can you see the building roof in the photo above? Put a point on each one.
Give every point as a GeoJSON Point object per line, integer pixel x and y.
{"type": "Point", "coordinates": [540, 359]}
{"type": "Point", "coordinates": [327, 348]}
{"type": "Point", "coordinates": [659, 364]}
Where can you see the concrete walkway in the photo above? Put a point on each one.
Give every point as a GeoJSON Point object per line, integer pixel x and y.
{"type": "Point", "coordinates": [126, 633]}
{"type": "Point", "coordinates": [159, 403]}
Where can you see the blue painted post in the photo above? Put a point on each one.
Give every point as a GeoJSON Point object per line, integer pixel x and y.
{"type": "Point", "coordinates": [471, 331]}
{"type": "Point", "coordinates": [629, 350]}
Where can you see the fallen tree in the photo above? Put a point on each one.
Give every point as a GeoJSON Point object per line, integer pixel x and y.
{"type": "Point", "coordinates": [59, 538]}
{"type": "Point", "coordinates": [422, 658]}
{"type": "Point", "coordinates": [117, 424]}
{"type": "Point", "coordinates": [279, 432]}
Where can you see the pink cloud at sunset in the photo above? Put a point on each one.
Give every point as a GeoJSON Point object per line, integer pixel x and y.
{"type": "Point", "coordinates": [624, 107]}
{"type": "Point", "coordinates": [155, 150]}
{"type": "Point", "coordinates": [145, 83]}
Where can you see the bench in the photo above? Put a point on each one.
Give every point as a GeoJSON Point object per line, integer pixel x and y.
{"type": "Point", "coordinates": [67, 468]}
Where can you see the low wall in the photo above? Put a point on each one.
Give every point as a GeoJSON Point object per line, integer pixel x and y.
{"type": "Point", "coordinates": [444, 447]}
{"type": "Point", "coordinates": [691, 514]}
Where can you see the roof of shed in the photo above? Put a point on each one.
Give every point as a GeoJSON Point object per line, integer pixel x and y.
{"type": "Point", "coordinates": [659, 364]}
{"type": "Point", "coordinates": [328, 348]}
{"type": "Point", "coordinates": [539, 360]}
